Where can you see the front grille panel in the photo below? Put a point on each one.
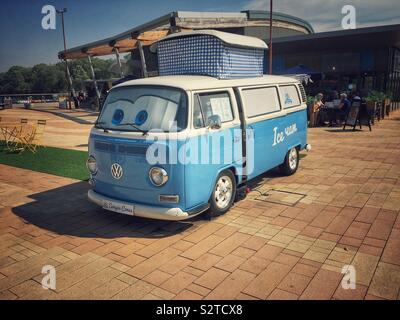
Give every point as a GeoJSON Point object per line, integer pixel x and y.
{"type": "Point", "coordinates": [120, 148]}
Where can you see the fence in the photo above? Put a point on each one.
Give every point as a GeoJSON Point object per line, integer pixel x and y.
{"type": "Point", "coordinates": [35, 98]}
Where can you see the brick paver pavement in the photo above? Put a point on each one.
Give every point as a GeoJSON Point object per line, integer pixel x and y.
{"type": "Point", "coordinates": [340, 208]}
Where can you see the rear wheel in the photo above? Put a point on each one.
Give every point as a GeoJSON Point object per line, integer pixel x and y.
{"type": "Point", "coordinates": [291, 163]}
{"type": "Point", "coordinates": [223, 194]}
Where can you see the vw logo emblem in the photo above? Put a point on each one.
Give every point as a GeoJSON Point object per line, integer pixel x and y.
{"type": "Point", "coordinates": [116, 171]}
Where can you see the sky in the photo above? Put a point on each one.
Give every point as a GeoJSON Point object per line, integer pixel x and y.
{"type": "Point", "coordinates": [24, 42]}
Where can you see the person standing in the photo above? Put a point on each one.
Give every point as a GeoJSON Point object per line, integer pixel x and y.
{"type": "Point", "coordinates": [344, 107]}
{"type": "Point", "coordinates": [314, 115]}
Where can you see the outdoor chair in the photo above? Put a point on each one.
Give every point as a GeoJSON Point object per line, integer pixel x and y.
{"type": "Point", "coordinates": [38, 138]}
{"type": "Point", "coordinates": [26, 139]}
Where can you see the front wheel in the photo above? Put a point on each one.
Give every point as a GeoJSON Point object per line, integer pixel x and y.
{"type": "Point", "coordinates": [291, 163]}
{"type": "Point", "coordinates": [223, 194]}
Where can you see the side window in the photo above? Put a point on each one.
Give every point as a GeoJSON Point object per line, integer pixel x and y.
{"type": "Point", "coordinates": [207, 104]}
{"type": "Point", "coordinates": [259, 101]}
{"type": "Point", "coordinates": [290, 96]}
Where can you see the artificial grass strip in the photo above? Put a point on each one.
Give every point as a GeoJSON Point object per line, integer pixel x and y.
{"type": "Point", "coordinates": [56, 161]}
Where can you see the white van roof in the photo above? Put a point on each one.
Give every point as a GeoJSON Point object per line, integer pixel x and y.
{"type": "Point", "coordinates": [227, 37]}
{"type": "Point", "coordinates": [191, 82]}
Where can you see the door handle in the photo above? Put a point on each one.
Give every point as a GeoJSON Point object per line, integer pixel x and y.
{"type": "Point", "coordinates": [252, 134]}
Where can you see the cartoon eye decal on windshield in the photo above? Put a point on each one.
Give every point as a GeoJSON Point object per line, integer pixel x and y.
{"type": "Point", "coordinates": [141, 117]}
{"type": "Point", "coordinates": [118, 116]}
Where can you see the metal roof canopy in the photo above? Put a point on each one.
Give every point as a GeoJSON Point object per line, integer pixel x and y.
{"type": "Point", "coordinates": [156, 29]}
{"type": "Point", "coordinates": [360, 38]}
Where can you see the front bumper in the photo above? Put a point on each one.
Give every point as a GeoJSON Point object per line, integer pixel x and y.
{"type": "Point", "coordinates": [152, 212]}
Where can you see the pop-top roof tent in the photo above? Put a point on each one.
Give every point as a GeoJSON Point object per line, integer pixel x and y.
{"type": "Point", "coordinates": [232, 39]}
{"type": "Point", "coordinates": [214, 53]}
{"type": "Point", "coordinates": [181, 21]}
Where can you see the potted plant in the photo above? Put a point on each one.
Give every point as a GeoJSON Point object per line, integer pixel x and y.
{"type": "Point", "coordinates": [373, 106]}
{"type": "Point", "coordinates": [388, 100]}
{"type": "Point", "coordinates": [28, 104]}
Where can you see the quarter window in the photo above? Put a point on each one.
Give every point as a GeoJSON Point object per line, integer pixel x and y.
{"type": "Point", "coordinates": [208, 104]}
{"type": "Point", "coordinates": [290, 96]}
{"type": "Point", "coordinates": [259, 101]}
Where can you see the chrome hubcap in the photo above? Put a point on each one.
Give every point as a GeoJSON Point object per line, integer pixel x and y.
{"type": "Point", "coordinates": [293, 159]}
{"type": "Point", "coordinates": [223, 192]}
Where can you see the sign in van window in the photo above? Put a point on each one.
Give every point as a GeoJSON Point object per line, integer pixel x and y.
{"type": "Point", "coordinates": [222, 107]}
{"type": "Point", "coordinates": [290, 96]}
{"type": "Point", "coordinates": [211, 104]}
{"type": "Point", "coordinates": [260, 101]}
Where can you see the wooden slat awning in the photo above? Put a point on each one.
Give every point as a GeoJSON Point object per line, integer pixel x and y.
{"type": "Point", "coordinates": [153, 31]}
{"type": "Point", "coordinates": [123, 45]}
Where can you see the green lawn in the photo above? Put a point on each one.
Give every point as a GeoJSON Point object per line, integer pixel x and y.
{"type": "Point", "coordinates": [60, 162]}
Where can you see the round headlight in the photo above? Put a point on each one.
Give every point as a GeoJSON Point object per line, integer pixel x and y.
{"type": "Point", "coordinates": [158, 176]}
{"type": "Point", "coordinates": [91, 164]}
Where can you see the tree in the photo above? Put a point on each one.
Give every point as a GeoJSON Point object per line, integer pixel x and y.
{"type": "Point", "coordinates": [44, 78]}
{"type": "Point", "coordinates": [51, 78]}
{"type": "Point", "coordinates": [79, 75]}
{"type": "Point", "coordinates": [14, 81]}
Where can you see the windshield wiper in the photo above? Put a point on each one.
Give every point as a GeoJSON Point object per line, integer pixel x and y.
{"type": "Point", "coordinates": [134, 126]}
{"type": "Point", "coordinates": [98, 124]}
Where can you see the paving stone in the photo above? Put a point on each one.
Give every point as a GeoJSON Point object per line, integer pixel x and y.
{"type": "Point", "coordinates": [365, 266]}
{"type": "Point", "coordinates": [350, 215]}
{"type": "Point", "coordinates": [231, 287]}
{"type": "Point", "coordinates": [386, 281]}
{"type": "Point", "coordinates": [136, 291]}
{"type": "Point", "coordinates": [322, 286]}
{"type": "Point", "coordinates": [178, 282]}
{"type": "Point", "coordinates": [212, 278]}
{"type": "Point", "coordinates": [267, 280]}
{"type": "Point", "coordinates": [279, 294]}
{"type": "Point", "coordinates": [294, 283]}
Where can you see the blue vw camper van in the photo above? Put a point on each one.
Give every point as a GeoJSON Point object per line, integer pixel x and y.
{"type": "Point", "coordinates": [172, 147]}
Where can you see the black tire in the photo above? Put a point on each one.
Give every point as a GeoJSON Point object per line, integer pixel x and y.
{"type": "Point", "coordinates": [291, 163]}
{"type": "Point", "coordinates": [219, 207]}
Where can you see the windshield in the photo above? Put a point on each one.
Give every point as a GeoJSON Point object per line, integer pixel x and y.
{"type": "Point", "coordinates": [144, 108]}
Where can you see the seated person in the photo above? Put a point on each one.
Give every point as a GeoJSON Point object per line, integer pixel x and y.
{"type": "Point", "coordinates": [344, 107]}
{"type": "Point", "coordinates": [356, 98]}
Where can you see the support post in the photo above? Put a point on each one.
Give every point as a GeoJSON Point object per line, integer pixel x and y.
{"type": "Point", "coordinates": [69, 83]}
{"type": "Point", "coordinates": [142, 59]}
{"type": "Point", "coordinates": [116, 51]}
{"type": "Point", "coordinates": [270, 37]}
{"type": "Point", "coordinates": [94, 80]}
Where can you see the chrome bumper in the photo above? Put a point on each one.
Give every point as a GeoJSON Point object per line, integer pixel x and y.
{"type": "Point", "coordinates": [152, 212]}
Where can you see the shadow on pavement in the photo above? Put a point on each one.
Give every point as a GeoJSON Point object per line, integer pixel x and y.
{"type": "Point", "coordinates": [73, 118]}
{"type": "Point", "coordinates": [67, 211]}
{"type": "Point", "coordinates": [338, 130]}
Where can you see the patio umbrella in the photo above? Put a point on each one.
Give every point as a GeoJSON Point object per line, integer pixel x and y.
{"type": "Point", "coordinates": [300, 69]}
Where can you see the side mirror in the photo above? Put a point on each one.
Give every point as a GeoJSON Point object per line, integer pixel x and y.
{"type": "Point", "coordinates": [214, 122]}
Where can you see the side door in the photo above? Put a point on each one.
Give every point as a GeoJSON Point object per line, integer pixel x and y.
{"type": "Point", "coordinates": [295, 124]}
{"type": "Point", "coordinates": [216, 148]}
{"type": "Point", "coordinates": [264, 117]}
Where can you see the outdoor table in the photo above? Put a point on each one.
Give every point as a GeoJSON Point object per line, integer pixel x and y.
{"type": "Point", "coordinates": [330, 114]}
{"type": "Point", "coordinates": [17, 136]}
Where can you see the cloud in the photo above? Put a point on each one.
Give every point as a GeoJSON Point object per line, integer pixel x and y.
{"type": "Point", "coordinates": [327, 15]}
